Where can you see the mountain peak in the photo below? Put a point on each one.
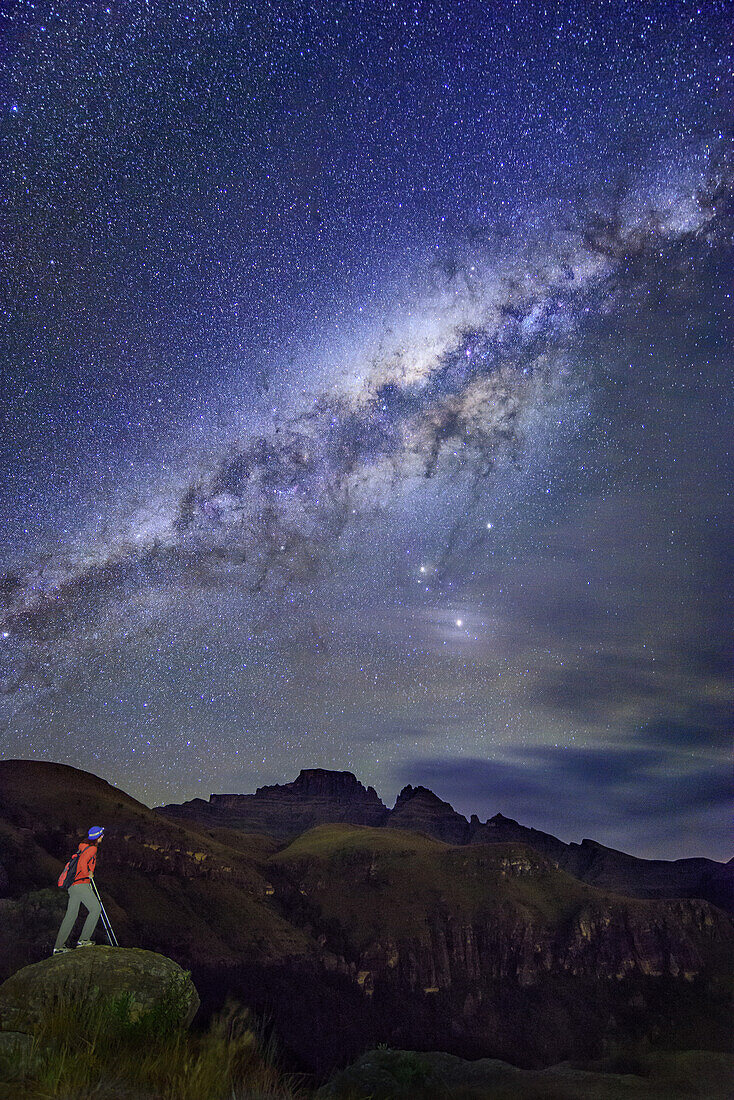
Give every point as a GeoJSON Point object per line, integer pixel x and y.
{"type": "Point", "coordinates": [409, 792]}
{"type": "Point", "coordinates": [284, 810]}
{"type": "Point", "coordinates": [323, 783]}
{"type": "Point", "coordinates": [420, 809]}
{"type": "Point", "coordinates": [500, 819]}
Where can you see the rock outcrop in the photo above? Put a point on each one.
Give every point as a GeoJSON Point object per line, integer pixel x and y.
{"type": "Point", "coordinates": [147, 978]}
{"type": "Point", "coordinates": [403, 1074]}
{"type": "Point", "coordinates": [316, 797]}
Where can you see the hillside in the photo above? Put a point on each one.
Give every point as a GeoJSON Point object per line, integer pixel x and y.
{"type": "Point", "coordinates": [318, 797]}
{"type": "Point", "coordinates": [160, 879]}
{"type": "Point", "coordinates": [353, 935]}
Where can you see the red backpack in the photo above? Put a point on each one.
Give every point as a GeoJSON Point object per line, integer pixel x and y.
{"type": "Point", "coordinates": [67, 876]}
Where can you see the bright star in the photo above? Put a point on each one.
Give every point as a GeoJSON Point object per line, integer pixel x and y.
{"type": "Point", "coordinates": [459, 622]}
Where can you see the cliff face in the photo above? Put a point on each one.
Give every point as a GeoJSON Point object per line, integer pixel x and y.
{"type": "Point", "coordinates": [601, 939]}
{"type": "Point", "coordinates": [485, 913]}
{"type": "Point", "coordinates": [461, 943]}
{"type": "Point", "coordinates": [316, 797]}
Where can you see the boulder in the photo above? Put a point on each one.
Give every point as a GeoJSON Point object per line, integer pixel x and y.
{"type": "Point", "coordinates": [96, 973]}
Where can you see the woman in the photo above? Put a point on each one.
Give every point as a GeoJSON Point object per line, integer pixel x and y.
{"type": "Point", "coordinates": [81, 893]}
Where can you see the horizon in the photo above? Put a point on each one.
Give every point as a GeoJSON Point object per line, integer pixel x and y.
{"type": "Point", "coordinates": [389, 805]}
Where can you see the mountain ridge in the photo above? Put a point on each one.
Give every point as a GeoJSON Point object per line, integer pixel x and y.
{"type": "Point", "coordinates": [318, 796]}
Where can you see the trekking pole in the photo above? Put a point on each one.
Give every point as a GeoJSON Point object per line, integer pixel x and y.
{"type": "Point", "coordinates": [106, 922]}
{"type": "Point", "coordinates": [108, 929]}
{"type": "Point", "coordinates": [107, 925]}
{"type": "Point", "coordinates": [105, 919]}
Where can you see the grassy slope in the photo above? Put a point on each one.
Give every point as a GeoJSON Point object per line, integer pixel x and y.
{"type": "Point", "coordinates": [394, 878]}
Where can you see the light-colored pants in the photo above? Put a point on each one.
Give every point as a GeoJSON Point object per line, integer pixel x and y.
{"type": "Point", "coordinates": [80, 893]}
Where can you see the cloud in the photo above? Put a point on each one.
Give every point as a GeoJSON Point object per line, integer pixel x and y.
{"type": "Point", "coordinates": [597, 686]}
{"type": "Point", "coordinates": [671, 733]}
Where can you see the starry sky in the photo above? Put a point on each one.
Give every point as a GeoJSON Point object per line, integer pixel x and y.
{"type": "Point", "coordinates": [365, 402]}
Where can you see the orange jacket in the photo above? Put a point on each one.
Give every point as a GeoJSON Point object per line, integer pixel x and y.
{"type": "Point", "coordinates": [87, 862]}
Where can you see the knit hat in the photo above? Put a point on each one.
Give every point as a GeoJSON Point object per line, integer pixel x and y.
{"type": "Point", "coordinates": [95, 832]}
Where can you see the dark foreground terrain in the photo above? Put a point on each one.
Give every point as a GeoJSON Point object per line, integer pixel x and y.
{"type": "Point", "coordinates": [350, 937]}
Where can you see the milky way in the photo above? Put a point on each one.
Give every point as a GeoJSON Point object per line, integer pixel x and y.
{"type": "Point", "coordinates": [271, 508]}
{"type": "Point", "coordinates": [384, 433]}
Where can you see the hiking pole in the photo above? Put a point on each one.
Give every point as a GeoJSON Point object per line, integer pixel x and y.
{"type": "Point", "coordinates": [108, 929]}
{"type": "Point", "coordinates": [106, 922]}
{"type": "Point", "coordinates": [105, 919]}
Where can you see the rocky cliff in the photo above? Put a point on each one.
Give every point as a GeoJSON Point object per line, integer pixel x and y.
{"type": "Point", "coordinates": [284, 810]}
{"type": "Point", "coordinates": [453, 944]}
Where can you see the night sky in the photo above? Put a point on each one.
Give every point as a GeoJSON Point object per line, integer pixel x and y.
{"type": "Point", "coordinates": [366, 401]}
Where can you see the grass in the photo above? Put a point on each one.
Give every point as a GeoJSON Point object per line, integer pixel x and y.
{"type": "Point", "coordinates": [99, 1051]}
{"type": "Point", "coordinates": [379, 882]}
{"type": "Point", "coordinates": [323, 840]}
{"type": "Point", "coordinates": [396, 877]}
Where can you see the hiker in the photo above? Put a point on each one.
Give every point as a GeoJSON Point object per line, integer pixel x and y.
{"type": "Point", "coordinates": [81, 892]}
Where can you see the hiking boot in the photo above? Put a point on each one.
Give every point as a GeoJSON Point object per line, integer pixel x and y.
{"type": "Point", "coordinates": [61, 950]}
{"type": "Point", "coordinates": [86, 943]}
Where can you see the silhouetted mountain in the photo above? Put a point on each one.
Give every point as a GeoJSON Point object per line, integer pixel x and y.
{"type": "Point", "coordinates": [316, 797]}
{"type": "Point", "coordinates": [610, 869]}
{"type": "Point", "coordinates": [319, 796]}
{"type": "Point", "coordinates": [351, 935]}
{"type": "Point", "coordinates": [422, 811]}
